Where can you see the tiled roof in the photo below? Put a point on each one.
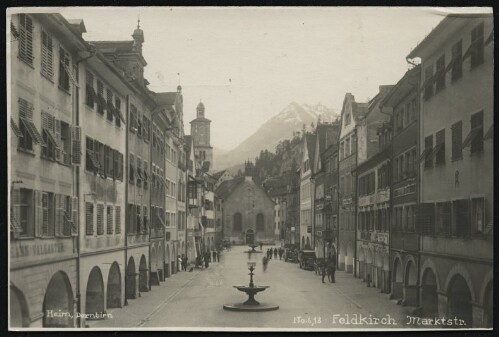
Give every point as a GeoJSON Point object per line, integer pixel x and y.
{"type": "Point", "coordinates": [114, 46]}
{"type": "Point", "coordinates": [228, 186]}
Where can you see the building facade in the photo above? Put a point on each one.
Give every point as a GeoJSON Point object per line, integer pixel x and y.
{"type": "Point", "coordinates": [307, 192]}
{"type": "Point", "coordinates": [456, 190]}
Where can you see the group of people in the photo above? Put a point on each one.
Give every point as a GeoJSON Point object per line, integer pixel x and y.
{"type": "Point", "coordinates": [201, 260]}
{"type": "Point", "coordinates": [329, 268]}
{"type": "Point", "coordinates": [275, 252]}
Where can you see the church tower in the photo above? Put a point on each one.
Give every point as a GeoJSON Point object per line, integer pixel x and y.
{"type": "Point", "coordinates": [200, 132]}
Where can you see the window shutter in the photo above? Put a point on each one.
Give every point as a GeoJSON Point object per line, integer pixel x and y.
{"type": "Point", "coordinates": [117, 220]}
{"type": "Point", "coordinates": [76, 145]}
{"type": "Point", "coordinates": [74, 216]}
{"type": "Point", "coordinates": [58, 152]}
{"type": "Point", "coordinates": [15, 219]}
{"type": "Point", "coordinates": [58, 215]}
{"type": "Point", "coordinates": [45, 213]}
{"type": "Point", "coordinates": [38, 214]}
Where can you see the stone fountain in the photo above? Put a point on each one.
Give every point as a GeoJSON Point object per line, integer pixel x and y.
{"type": "Point", "coordinates": [251, 290]}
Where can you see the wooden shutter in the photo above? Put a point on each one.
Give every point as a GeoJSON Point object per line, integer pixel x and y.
{"type": "Point", "coordinates": [89, 218]}
{"type": "Point", "coordinates": [74, 216]}
{"type": "Point", "coordinates": [38, 214]}
{"type": "Point", "coordinates": [45, 213]}
{"type": "Point", "coordinates": [15, 217]}
{"type": "Point", "coordinates": [59, 215]}
{"type": "Point", "coordinates": [117, 220]}
{"type": "Point", "coordinates": [59, 148]}
{"type": "Point", "coordinates": [76, 145]}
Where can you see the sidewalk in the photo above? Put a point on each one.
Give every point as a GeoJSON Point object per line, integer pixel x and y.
{"type": "Point", "coordinates": [138, 310]}
{"type": "Point", "coordinates": [369, 298]}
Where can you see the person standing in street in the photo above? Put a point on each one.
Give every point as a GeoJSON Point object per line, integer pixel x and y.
{"type": "Point", "coordinates": [214, 259]}
{"type": "Point", "coordinates": [261, 245]}
{"type": "Point", "coordinates": [323, 271]}
{"type": "Point", "coordinates": [179, 263]}
{"type": "Point", "coordinates": [218, 255]}
{"type": "Point", "coordinates": [332, 270]}
{"type": "Point", "coordinates": [265, 262]}
{"type": "Point", "coordinates": [207, 259]}
{"type": "Point", "coordinates": [275, 253]}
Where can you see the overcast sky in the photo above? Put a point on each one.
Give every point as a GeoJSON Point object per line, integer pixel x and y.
{"type": "Point", "coordinates": [247, 64]}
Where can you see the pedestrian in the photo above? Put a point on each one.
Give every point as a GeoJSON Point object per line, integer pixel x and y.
{"type": "Point", "coordinates": [270, 253]}
{"type": "Point", "coordinates": [184, 262]}
{"type": "Point", "coordinates": [280, 253]}
{"type": "Point", "coordinates": [218, 255]}
{"type": "Point", "coordinates": [332, 270]}
{"type": "Point", "coordinates": [214, 256]}
{"type": "Point", "coordinates": [261, 245]}
{"type": "Point", "coordinates": [179, 262]}
{"type": "Point", "coordinates": [265, 262]}
{"type": "Point", "coordinates": [323, 271]}
{"type": "Point", "coordinates": [207, 260]}
{"type": "Point", "coordinates": [275, 253]}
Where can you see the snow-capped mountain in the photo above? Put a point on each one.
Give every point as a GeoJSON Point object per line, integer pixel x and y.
{"type": "Point", "coordinates": [282, 126]}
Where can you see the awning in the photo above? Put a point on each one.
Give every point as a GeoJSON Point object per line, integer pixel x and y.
{"type": "Point", "coordinates": [425, 154]}
{"type": "Point", "coordinates": [490, 133]}
{"type": "Point", "coordinates": [15, 128]}
{"type": "Point", "coordinates": [160, 220]}
{"type": "Point", "coordinates": [95, 163]}
{"type": "Point", "coordinates": [15, 227]}
{"type": "Point", "coordinates": [471, 136]}
{"type": "Point", "coordinates": [53, 139]}
{"type": "Point", "coordinates": [70, 74]}
{"type": "Point", "coordinates": [118, 114]}
{"type": "Point", "coordinates": [490, 38]}
{"type": "Point", "coordinates": [32, 130]}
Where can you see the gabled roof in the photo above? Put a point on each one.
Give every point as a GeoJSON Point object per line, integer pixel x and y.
{"type": "Point", "coordinates": [228, 186]}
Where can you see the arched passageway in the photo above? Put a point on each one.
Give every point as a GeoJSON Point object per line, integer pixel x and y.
{"type": "Point", "coordinates": [19, 313]}
{"type": "Point", "coordinates": [58, 299]}
{"type": "Point", "coordinates": [143, 270]}
{"type": "Point", "coordinates": [114, 287]}
{"type": "Point", "coordinates": [131, 284]}
{"type": "Point", "coordinates": [459, 300]}
{"type": "Point", "coordinates": [95, 293]}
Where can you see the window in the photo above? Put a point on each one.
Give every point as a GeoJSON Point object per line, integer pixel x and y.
{"type": "Point", "coordinates": [146, 218]}
{"type": "Point", "coordinates": [478, 215]}
{"type": "Point", "coordinates": [477, 132]}
{"type": "Point", "coordinates": [131, 169]}
{"type": "Point", "coordinates": [477, 46]}
{"type": "Point", "coordinates": [48, 214]}
{"type": "Point", "coordinates": [100, 219]}
{"type": "Point", "coordinates": [117, 220]}
{"type": "Point", "coordinates": [109, 222]}
{"type": "Point", "coordinates": [145, 173]}
{"type": "Point", "coordinates": [62, 215]}
{"type": "Point", "coordinates": [133, 118]}
{"type": "Point", "coordinates": [457, 142]}
{"type": "Point", "coordinates": [47, 56]}
{"type": "Point", "coordinates": [90, 96]}
{"type": "Point", "coordinates": [146, 129]}
{"type": "Point", "coordinates": [26, 39]}
{"type": "Point", "coordinates": [443, 218]}
{"type": "Point", "coordinates": [27, 127]}
{"type": "Point", "coordinates": [457, 61]}
{"type": "Point", "coordinates": [64, 69]}
{"type": "Point", "coordinates": [353, 144]}
{"type": "Point", "coordinates": [108, 161]}
{"type": "Point", "coordinates": [440, 147]}
{"type": "Point", "coordinates": [49, 136]}
{"type": "Point", "coordinates": [65, 143]}
{"type": "Point", "coordinates": [428, 86]}
{"type": "Point", "coordinates": [238, 219]}
{"type": "Point", "coordinates": [440, 74]}
{"type": "Point", "coordinates": [461, 218]}
{"type": "Point", "coordinates": [117, 106]}
{"type": "Point", "coordinates": [131, 219]}
{"type": "Point", "coordinates": [100, 97]}
{"type": "Point", "coordinates": [89, 218]}
{"type": "Point", "coordinates": [23, 211]}
{"type": "Point", "coordinates": [428, 218]}
{"type": "Point", "coordinates": [109, 106]}
{"type": "Point", "coordinates": [428, 142]}
{"type": "Point", "coordinates": [99, 154]}
{"type": "Point", "coordinates": [139, 219]}
{"type": "Point", "coordinates": [139, 172]}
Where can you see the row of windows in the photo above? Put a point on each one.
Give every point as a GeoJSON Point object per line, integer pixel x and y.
{"type": "Point", "coordinates": [404, 218]}
{"type": "Point", "coordinates": [405, 115]}
{"type": "Point", "coordinates": [405, 165]}
{"type": "Point", "coordinates": [43, 214]}
{"type": "Point", "coordinates": [25, 53]}
{"type": "Point", "coordinates": [138, 171]}
{"type": "Point", "coordinates": [110, 105]}
{"type": "Point", "coordinates": [459, 218]}
{"type": "Point", "coordinates": [138, 219]}
{"type": "Point", "coordinates": [237, 225]}
{"type": "Point", "coordinates": [348, 146]}
{"type": "Point", "coordinates": [474, 140]}
{"type": "Point", "coordinates": [436, 82]}
{"type": "Point", "coordinates": [101, 219]}
{"type": "Point", "coordinates": [374, 220]}
{"type": "Point", "coordinates": [55, 137]}
{"type": "Point", "coordinates": [171, 154]}
{"type": "Point", "coordinates": [104, 160]}
{"type": "Point", "coordinates": [181, 223]}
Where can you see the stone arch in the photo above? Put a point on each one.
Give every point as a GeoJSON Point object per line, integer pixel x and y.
{"type": "Point", "coordinates": [18, 309]}
{"type": "Point", "coordinates": [411, 274]}
{"type": "Point", "coordinates": [131, 283]}
{"type": "Point", "coordinates": [487, 280]}
{"type": "Point", "coordinates": [95, 292]}
{"type": "Point", "coordinates": [398, 273]}
{"type": "Point", "coordinates": [260, 222]}
{"type": "Point", "coordinates": [428, 263]}
{"type": "Point", "coordinates": [458, 269]}
{"type": "Point", "coordinates": [237, 225]}
{"type": "Point", "coordinates": [459, 299]}
{"type": "Point", "coordinates": [143, 270]}
{"type": "Point", "coordinates": [488, 303]}
{"type": "Point", "coordinates": [58, 297]}
{"type": "Point", "coordinates": [114, 286]}
{"type": "Point", "coordinates": [429, 296]}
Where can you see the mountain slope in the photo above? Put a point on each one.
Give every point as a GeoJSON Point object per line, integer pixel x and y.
{"type": "Point", "coordinates": [282, 126]}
